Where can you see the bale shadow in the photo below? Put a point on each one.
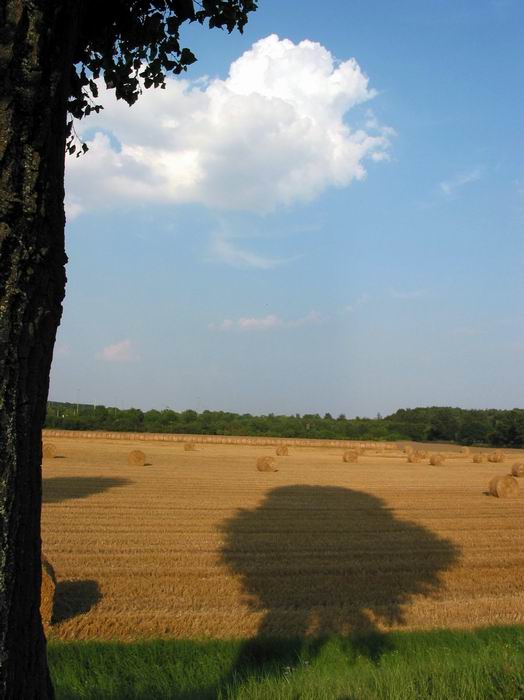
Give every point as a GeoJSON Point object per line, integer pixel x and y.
{"type": "Point", "coordinates": [62, 488]}
{"type": "Point", "coordinates": [319, 561]}
{"type": "Point", "coordinates": [74, 598]}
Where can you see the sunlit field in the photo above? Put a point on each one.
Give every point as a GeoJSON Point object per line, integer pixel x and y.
{"type": "Point", "coordinates": [200, 544]}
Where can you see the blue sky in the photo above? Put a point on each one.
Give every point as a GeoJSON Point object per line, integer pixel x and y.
{"type": "Point", "coordinates": [325, 214]}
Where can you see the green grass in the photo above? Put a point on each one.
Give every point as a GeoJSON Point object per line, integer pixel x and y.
{"type": "Point", "coordinates": [486, 664]}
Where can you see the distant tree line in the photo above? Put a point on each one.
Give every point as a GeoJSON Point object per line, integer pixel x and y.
{"type": "Point", "coordinates": [499, 428]}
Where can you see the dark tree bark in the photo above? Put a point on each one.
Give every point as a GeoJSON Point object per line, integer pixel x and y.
{"type": "Point", "coordinates": [40, 40]}
{"type": "Point", "coordinates": [36, 50]}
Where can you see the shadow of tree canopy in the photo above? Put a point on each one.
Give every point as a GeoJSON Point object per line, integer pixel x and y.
{"type": "Point", "coordinates": [74, 598]}
{"type": "Point", "coordinates": [329, 560]}
{"type": "Point", "coordinates": [325, 560]}
{"type": "Point", "coordinates": [62, 488]}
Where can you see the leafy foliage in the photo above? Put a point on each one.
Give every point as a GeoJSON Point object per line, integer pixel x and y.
{"type": "Point", "coordinates": [134, 43]}
{"type": "Point", "coordinates": [486, 427]}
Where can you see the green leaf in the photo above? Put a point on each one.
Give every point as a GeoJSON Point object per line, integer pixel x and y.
{"type": "Point", "coordinates": [184, 9]}
{"type": "Point", "coordinates": [187, 57]}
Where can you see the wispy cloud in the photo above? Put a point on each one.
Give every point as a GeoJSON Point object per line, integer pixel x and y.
{"type": "Point", "coordinates": [408, 296]}
{"type": "Point", "coordinates": [62, 350]}
{"type": "Point", "coordinates": [73, 208]}
{"type": "Point", "coordinates": [225, 250]}
{"type": "Point", "coordinates": [467, 331]}
{"type": "Point", "coordinates": [360, 301]}
{"type": "Point", "coordinates": [453, 185]}
{"type": "Point", "coordinates": [264, 323]}
{"type": "Point", "coordinates": [124, 351]}
{"type": "Point", "coordinates": [387, 133]}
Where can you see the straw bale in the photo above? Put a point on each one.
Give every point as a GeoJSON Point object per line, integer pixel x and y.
{"type": "Point", "coordinates": [479, 458]}
{"type": "Point", "coordinates": [416, 456]}
{"type": "Point", "coordinates": [496, 456]}
{"type": "Point", "coordinates": [266, 464]}
{"type": "Point", "coordinates": [437, 459]}
{"type": "Point", "coordinates": [350, 456]}
{"type": "Point", "coordinates": [189, 447]}
{"type": "Point", "coordinates": [48, 450]}
{"type": "Point", "coordinates": [504, 486]}
{"type": "Point", "coordinates": [282, 451]}
{"type": "Point", "coordinates": [518, 469]}
{"type": "Point", "coordinates": [136, 458]}
{"type": "Point", "coordinates": [465, 451]}
{"type": "Point", "coordinates": [47, 592]}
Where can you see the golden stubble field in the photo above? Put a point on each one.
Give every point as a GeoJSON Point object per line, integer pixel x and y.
{"type": "Point", "coordinates": [200, 544]}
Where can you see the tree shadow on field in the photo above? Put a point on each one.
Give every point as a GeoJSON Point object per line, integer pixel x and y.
{"type": "Point", "coordinates": [62, 488]}
{"type": "Point", "coordinates": [74, 598]}
{"type": "Point", "coordinates": [322, 560]}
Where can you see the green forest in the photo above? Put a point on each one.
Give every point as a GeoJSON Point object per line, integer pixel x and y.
{"type": "Point", "coordinates": [497, 428]}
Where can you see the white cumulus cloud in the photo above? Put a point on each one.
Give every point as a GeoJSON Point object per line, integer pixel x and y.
{"type": "Point", "coordinates": [124, 351]}
{"type": "Point", "coordinates": [273, 133]}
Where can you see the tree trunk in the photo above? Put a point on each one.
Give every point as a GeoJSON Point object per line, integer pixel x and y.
{"type": "Point", "coordinates": [36, 49]}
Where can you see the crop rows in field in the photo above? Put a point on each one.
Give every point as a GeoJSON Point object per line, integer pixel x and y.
{"type": "Point", "coordinates": [201, 544]}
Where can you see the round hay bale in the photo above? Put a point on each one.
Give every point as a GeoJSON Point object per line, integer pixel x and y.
{"type": "Point", "coordinates": [189, 447]}
{"type": "Point", "coordinates": [479, 458]}
{"type": "Point", "coordinates": [47, 592]}
{"type": "Point", "coordinates": [48, 450]}
{"type": "Point", "coordinates": [282, 451]}
{"type": "Point", "coordinates": [465, 451]}
{"type": "Point", "coordinates": [350, 456]}
{"type": "Point", "coordinates": [436, 460]}
{"type": "Point", "coordinates": [416, 456]}
{"type": "Point", "coordinates": [136, 458]}
{"type": "Point", "coordinates": [518, 469]}
{"type": "Point", "coordinates": [503, 486]}
{"type": "Point", "coordinates": [496, 457]}
{"type": "Point", "coordinates": [266, 464]}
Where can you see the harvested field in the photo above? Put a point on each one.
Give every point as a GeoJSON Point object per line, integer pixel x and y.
{"type": "Point", "coordinates": [203, 545]}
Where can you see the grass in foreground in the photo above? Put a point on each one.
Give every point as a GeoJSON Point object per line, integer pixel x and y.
{"type": "Point", "coordinates": [486, 664]}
